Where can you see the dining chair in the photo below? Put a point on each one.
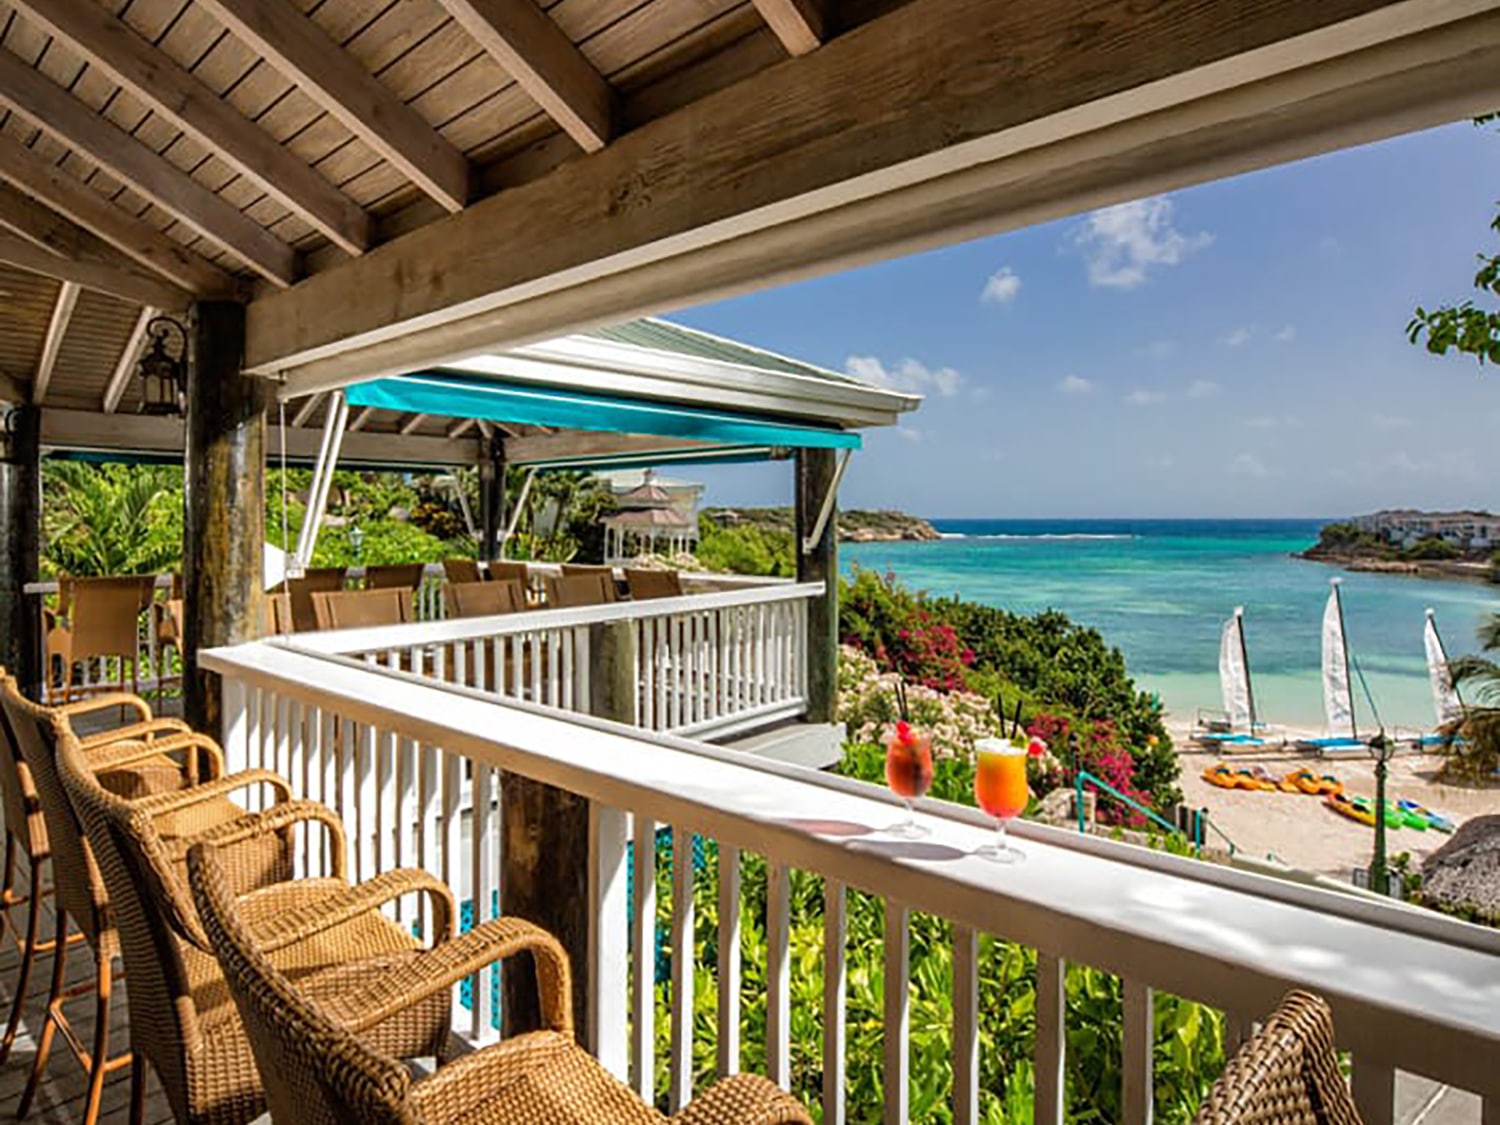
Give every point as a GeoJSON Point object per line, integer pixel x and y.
{"type": "Point", "coordinates": [645, 584]}
{"type": "Point", "coordinates": [103, 621]}
{"type": "Point", "coordinates": [484, 599]}
{"type": "Point", "coordinates": [462, 570]}
{"type": "Point", "coordinates": [572, 590]}
{"type": "Point", "coordinates": [400, 576]}
{"type": "Point", "coordinates": [353, 609]}
{"type": "Point", "coordinates": [299, 594]}
{"type": "Point", "coordinates": [499, 570]}
{"type": "Point", "coordinates": [604, 574]}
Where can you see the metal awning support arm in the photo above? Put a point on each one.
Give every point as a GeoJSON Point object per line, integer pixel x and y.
{"type": "Point", "coordinates": [515, 516]}
{"type": "Point", "coordinates": [328, 458]}
{"type": "Point", "coordinates": [830, 498]}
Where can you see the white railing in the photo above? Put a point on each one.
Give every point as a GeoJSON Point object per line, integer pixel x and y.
{"type": "Point", "coordinates": [414, 766]}
{"type": "Point", "coordinates": [706, 665]}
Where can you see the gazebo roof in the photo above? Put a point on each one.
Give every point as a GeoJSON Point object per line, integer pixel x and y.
{"type": "Point", "coordinates": [648, 518]}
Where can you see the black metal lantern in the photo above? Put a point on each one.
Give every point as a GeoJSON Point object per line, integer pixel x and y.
{"type": "Point", "coordinates": [163, 371]}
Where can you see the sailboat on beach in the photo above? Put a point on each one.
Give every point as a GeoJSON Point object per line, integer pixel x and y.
{"type": "Point", "coordinates": [1447, 704]}
{"type": "Point", "coordinates": [1236, 726]}
{"type": "Point", "coordinates": [1342, 736]}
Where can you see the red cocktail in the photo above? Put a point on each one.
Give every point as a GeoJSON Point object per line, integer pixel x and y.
{"type": "Point", "coordinates": [908, 772]}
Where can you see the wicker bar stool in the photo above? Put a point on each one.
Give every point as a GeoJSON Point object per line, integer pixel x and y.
{"type": "Point", "coordinates": [1287, 1073]}
{"type": "Point", "coordinates": [327, 935]}
{"type": "Point", "coordinates": [320, 1069]}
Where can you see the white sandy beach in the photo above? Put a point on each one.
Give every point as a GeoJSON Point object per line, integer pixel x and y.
{"type": "Point", "coordinates": [1299, 830]}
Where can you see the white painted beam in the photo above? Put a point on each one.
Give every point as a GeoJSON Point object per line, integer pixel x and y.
{"type": "Point", "coordinates": [57, 328]}
{"type": "Point", "coordinates": [125, 367]}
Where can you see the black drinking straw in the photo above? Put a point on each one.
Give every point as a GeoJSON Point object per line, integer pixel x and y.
{"type": "Point", "coordinates": [901, 700]}
{"type": "Point", "coordinates": [1000, 711]}
{"type": "Point", "coordinates": [1015, 725]}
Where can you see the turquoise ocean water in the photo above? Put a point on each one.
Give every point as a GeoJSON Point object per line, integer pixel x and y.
{"type": "Point", "coordinates": [1161, 589]}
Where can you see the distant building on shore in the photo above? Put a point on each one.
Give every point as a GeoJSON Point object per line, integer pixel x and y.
{"type": "Point", "coordinates": [1405, 527]}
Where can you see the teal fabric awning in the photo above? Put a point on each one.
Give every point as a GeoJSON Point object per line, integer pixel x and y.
{"type": "Point", "coordinates": [472, 396]}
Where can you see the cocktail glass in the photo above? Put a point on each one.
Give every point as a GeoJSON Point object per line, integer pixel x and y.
{"type": "Point", "coordinates": [908, 772]}
{"type": "Point", "coordinates": [1000, 788]}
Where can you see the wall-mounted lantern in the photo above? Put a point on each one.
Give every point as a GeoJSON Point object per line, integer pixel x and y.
{"type": "Point", "coordinates": [163, 369]}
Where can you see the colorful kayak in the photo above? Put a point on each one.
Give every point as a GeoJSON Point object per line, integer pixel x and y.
{"type": "Point", "coordinates": [1220, 775]}
{"type": "Point", "coordinates": [1355, 808]}
{"type": "Point", "coordinates": [1434, 820]}
{"type": "Point", "coordinates": [1305, 781]}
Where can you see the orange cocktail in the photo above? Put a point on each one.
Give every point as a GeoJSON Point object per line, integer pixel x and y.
{"type": "Point", "coordinates": [1001, 791]}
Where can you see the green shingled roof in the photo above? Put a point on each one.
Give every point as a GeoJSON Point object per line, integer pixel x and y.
{"type": "Point", "coordinates": [663, 335]}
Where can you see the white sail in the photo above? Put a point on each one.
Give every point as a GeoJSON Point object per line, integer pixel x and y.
{"type": "Point", "coordinates": [1338, 696]}
{"type": "Point", "coordinates": [1445, 701]}
{"type": "Point", "coordinates": [1234, 674]}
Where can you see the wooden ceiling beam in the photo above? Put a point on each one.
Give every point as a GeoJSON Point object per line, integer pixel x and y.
{"type": "Point", "coordinates": [461, 427]}
{"type": "Point", "coordinates": [57, 328]}
{"type": "Point", "coordinates": [801, 25]}
{"type": "Point", "coordinates": [130, 355]}
{"type": "Point", "coordinates": [13, 391]}
{"type": "Point", "coordinates": [361, 419]}
{"type": "Point", "coordinates": [60, 249]}
{"type": "Point", "coordinates": [867, 148]}
{"type": "Point", "coordinates": [544, 62]}
{"type": "Point", "coordinates": [53, 109]}
{"type": "Point", "coordinates": [128, 284]}
{"type": "Point", "coordinates": [307, 409]}
{"type": "Point", "coordinates": [74, 199]}
{"type": "Point", "coordinates": [325, 72]}
{"type": "Point", "coordinates": [412, 423]}
{"type": "Point", "coordinates": [153, 76]}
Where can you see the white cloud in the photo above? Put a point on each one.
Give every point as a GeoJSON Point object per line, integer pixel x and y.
{"type": "Point", "coordinates": [1239, 336]}
{"type": "Point", "coordinates": [1286, 335]}
{"type": "Point", "coordinates": [1271, 422]}
{"type": "Point", "coordinates": [909, 433]}
{"type": "Point", "coordinates": [1145, 398]}
{"type": "Point", "coordinates": [1158, 349]}
{"type": "Point", "coordinates": [1390, 422]}
{"type": "Point", "coordinates": [1203, 388]}
{"type": "Point", "coordinates": [1074, 385]}
{"type": "Point", "coordinates": [1002, 287]}
{"type": "Point", "coordinates": [909, 375]}
{"type": "Point", "coordinates": [1248, 465]}
{"type": "Point", "coordinates": [1451, 463]}
{"type": "Point", "coordinates": [1123, 243]}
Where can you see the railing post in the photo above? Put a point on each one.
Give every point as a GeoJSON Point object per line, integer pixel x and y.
{"type": "Point", "coordinates": [614, 672]}
{"type": "Point", "coordinates": [609, 959]}
{"type": "Point", "coordinates": [1049, 1054]}
{"type": "Point", "coordinates": [1139, 1086]}
{"type": "Point", "coordinates": [816, 471]}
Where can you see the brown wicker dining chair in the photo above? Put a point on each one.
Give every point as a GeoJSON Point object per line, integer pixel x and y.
{"type": "Point", "coordinates": [484, 599]}
{"type": "Point", "coordinates": [354, 609]}
{"type": "Point", "coordinates": [646, 584]}
{"type": "Point", "coordinates": [501, 570]}
{"type": "Point", "coordinates": [397, 576]}
{"type": "Point", "coordinates": [1287, 1073]}
{"type": "Point", "coordinates": [604, 574]}
{"type": "Point", "coordinates": [462, 570]}
{"type": "Point", "coordinates": [330, 937]}
{"type": "Point", "coordinates": [299, 595]}
{"type": "Point", "coordinates": [320, 1068]}
{"type": "Point", "coordinates": [574, 590]}
{"type": "Point", "coordinates": [81, 896]}
{"type": "Point", "coordinates": [103, 621]}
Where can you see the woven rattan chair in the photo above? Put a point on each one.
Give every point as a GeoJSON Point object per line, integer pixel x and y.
{"type": "Point", "coordinates": [397, 576]}
{"type": "Point", "coordinates": [646, 584]}
{"type": "Point", "coordinates": [26, 830]}
{"type": "Point", "coordinates": [320, 1069]}
{"type": "Point", "coordinates": [103, 621]}
{"type": "Point", "coordinates": [573, 590]}
{"type": "Point", "coordinates": [300, 591]}
{"type": "Point", "coordinates": [1285, 1074]}
{"type": "Point", "coordinates": [81, 896]}
{"type": "Point", "coordinates": [604, 574]}
{"type": "Point", "coordinates": [484, 599]}
{"type": "Point", "coordinates": [497, 569]}
{"type": "Point", "coordinates": [326, 935]}
{"type": "Point", "coordinates": [462, 570]}
{"type": "Point", "coordinates": [353, 609]}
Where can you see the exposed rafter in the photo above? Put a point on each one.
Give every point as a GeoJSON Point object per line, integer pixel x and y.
{"type": "Point", "coordinates": [801, 25]}
{"type": "Point", "coordinates": [57, 328]}
{"type": "Point", "coordinates": [461, 427]}
{"type": "Point", "coordinates": [52, 108]}
{"type": "Point", "coordinates": [154, 77]}
{"type": "Point", "coordinates": [361, 418]}
{"type": "Point", "coordinates": [114, 390]}
{"type": "Point", "coordinates": [544, 62]}
{"type": "Point", "coordinates": [307, 409]}
{"type": "Point", "coordinates": [303, 52]}
{"type": "Point", "coordinates": [49, 244]}
{"type": "Point", "coordinates": [412, 423]}
{"type": "Point", "coordinates": [88, 208]}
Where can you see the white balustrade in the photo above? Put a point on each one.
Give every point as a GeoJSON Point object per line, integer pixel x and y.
{"type": "Point", "coordinates": [1411, 991]}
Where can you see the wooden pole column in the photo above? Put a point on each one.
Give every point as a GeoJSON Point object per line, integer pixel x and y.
{"type": "Point", "coordinates": [491, 497]}
{"type": "Point", "coordinates": [20, 523]}
{"type": "Point", "coordinates": [544, 862]}
{"type": "Point", "coordinates": [816, 469]}
{"type": "Point", "coordinates": [226, 502]}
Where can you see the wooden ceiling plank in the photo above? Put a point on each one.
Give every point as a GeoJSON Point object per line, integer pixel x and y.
{"type": "Point", "coordinates": [130, 354]}
{"type": "Point", "coordinates": [57, 328]}
{"type": "Point", "coordinates": [53, 108]}
{"type": "Point", "coordinates": [129, 283]}
{"type": "Point", "coordinates": [800, 24]}
{"type": "Point", "coordinates": [154, 77]}
{"type": "Point", "coordinates": [546, 64]}
{"type": "Point", "coordinates": [303, 52]}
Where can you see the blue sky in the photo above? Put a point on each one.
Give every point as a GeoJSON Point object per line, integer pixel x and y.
{"type": "Point", "coordinates": [1235, 349]}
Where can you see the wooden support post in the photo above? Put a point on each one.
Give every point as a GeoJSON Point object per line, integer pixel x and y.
{"type": "Point", "coordinates": [20, 523]}
{"type": "Point", "coordinates": [491, 497]}
{"type": "Point", "coordinates": [815, 476]}
{"type": "Point", "coordinates": [545, 857]}
{"type": "Point", "coordinates": [224, 526]}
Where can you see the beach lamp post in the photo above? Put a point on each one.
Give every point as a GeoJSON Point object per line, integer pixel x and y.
{"type": "Point", "coordinates": [357, 542]}
{"type": "Point", "coordinates": [1381, 750]}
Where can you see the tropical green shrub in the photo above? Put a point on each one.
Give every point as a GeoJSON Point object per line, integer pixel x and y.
{"type": "Point", "coordinates": [746, 549]}
{"type": "Point", "coordinates": [110, 519]}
